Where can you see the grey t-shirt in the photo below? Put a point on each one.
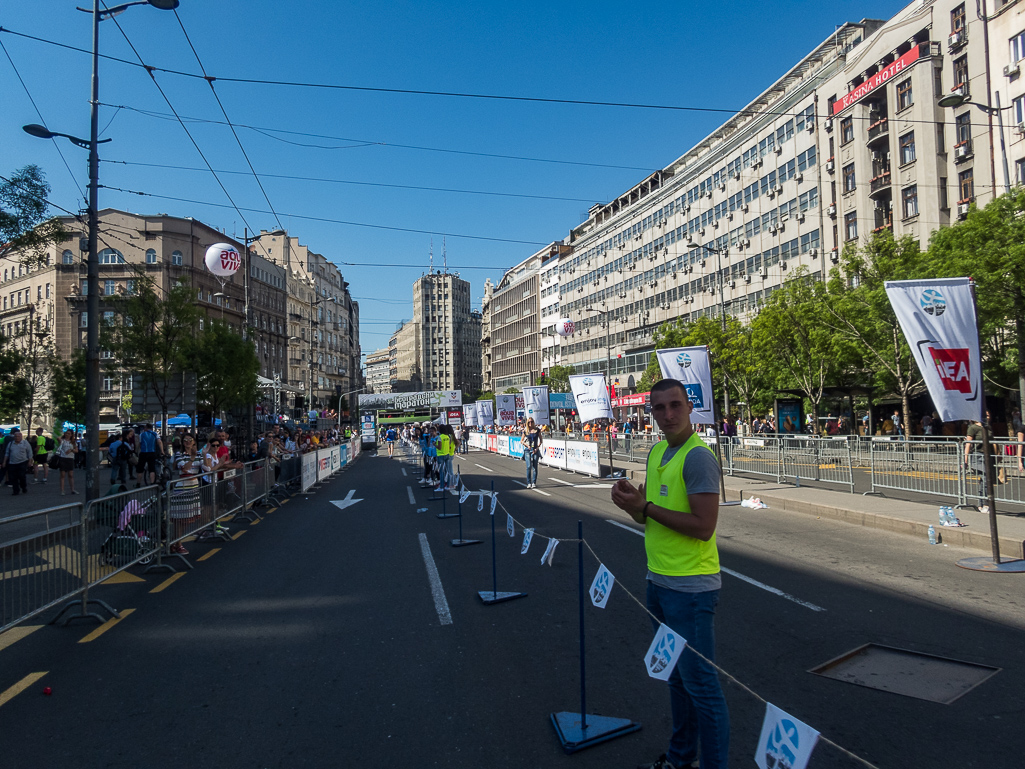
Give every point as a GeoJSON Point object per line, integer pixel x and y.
{"type": "Point", "coordinates": [701, 476]}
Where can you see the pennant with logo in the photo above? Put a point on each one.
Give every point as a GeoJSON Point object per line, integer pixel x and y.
{"type": "Point", "coordinates": [506, 406]}
{"type": "Point", "coordinates": [485, 413]}
{"type": "Point", "coordinates": [785, 741]}
{"type": "Point", "coordinates": [592, 396]}
{"type": "Point", "coordinates": [510, 525]}
{"type": "Point", "coordinates": [528, 535]}
{"type": "Point", "coordinates": [480, 502]}
{"type": "Point", "coordinates": [464, 495]}
{"type": "Point", "coordinates": [601, 587]}
{"type": "Point", "coordinates": [549, 552]}
{"type": "Point", "coordinates": [535, 404]}
{"type": "Point", "coordinates": [938, 320]}
{"type": "Point", "coordinates": [664, 652]}
{"type": "Point", "coordinates": [692, 367]}
{"type": "Point", "coordinates": [470, 415]}
{"type": "Point", "coordinates": [494, 501]}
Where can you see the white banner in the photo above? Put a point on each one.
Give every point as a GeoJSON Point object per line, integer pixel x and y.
{"type": "Point", "coordinates": [691, 366]}
{"type": "Point", "coordinates": [582, 457]}
{"type": "Point", "coordinates": [485, 413]}
{"type": "Point", "coordinates": [601, 587]}
{"type": "Point", "coordinates": [938, 320]}
{"type": "Point", "coordinates": [506, 406]}
{"type": "Point", "coordinates": [664, 652]}
{"type": "Point", "coordinates": [592, 396]}
{"type": "Point", "coordinates": [470, 414]}
{"type": "Point", "coordinates": [503, 444]}
{"type": "Point", "coordinates": [323, 464]}
{"type": "Point", "coordinates": [785, 741]}
{"type": "Point", "coordinates": [309, 471]}
{"type": "Point", "coordinates": [336, 458]}
{"type": "Point", "coordinates": [553, 453]}
{"type": "Point", "coordinates": [535, 404]}
{"type": "Point", "coordinates": [528, 535]}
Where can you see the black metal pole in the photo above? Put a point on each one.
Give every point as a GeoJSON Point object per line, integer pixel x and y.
{"type": "Point", "coordinates": [583, 666]}
{"type": "Point", "coordinates": [494, 558]}
{"type": "Point", "coordinates": [987, 465]}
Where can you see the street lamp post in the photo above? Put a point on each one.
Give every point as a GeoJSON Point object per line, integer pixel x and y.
{"type": "Point", "coordinates": [92, 306]}
{"type": "Point", "coordinates": [952, 100]}
{"type": "Point", "coordinates": [606, 315]}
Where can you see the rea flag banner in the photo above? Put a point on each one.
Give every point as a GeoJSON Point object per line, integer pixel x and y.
{"type": "Point", "coordinates": [937, 317]}
{"type": "Point", "coordinates": [692, 367]}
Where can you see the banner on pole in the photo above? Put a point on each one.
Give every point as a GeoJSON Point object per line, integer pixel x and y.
{"type": "Point", "coordinates": [591, 394]}
{"type": "Point", "coordinates": [506, 406]}
{"type": "Point", "coordinates": [692, 367]}
{"type": "Point", "coordinates": [601, 587]}
{"type": "Point", "coordinates": [470, 414]}
{"type": "Point", "coordinates": [535, 404]}
{"type": "Point", "coordinates": [785, 741]}
{"type": "Point", "coordinates": [485, 413]}
{"type": "Point", "coordinates": [664, 652]}
{"type": "Point", "coordinates": [938, 320]}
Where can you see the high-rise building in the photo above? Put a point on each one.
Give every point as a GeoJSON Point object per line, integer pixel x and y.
{"type": "Point", "coordinates": [378, 372]}
{"type": "Point", "coordinates": [449, 333]}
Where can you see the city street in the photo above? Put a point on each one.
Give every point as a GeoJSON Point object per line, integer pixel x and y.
{"type": "Point", "coordinates": [319, 637]}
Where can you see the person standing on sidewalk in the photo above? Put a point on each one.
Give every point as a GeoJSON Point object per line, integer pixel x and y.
{"type": "Point", "coordinates": [974, 460]}
{"type": "Point", "coordinates": [16, 461]}
{"type": "Point", "coordinates": [118, 453]}
{"type": "Point", "coordinates": [679, 507]}
{"type": "Point", "coordinates": [150, 446]}
{"type": "Point", "coordinates": [531, 451]}
{"type": "Point", "coordinates": [66, 454]}
{"type": "Point", "coordinates": [42, 446]}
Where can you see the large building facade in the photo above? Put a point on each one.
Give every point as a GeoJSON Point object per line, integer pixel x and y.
{"type": "Point", "coordinates": [449, 333]}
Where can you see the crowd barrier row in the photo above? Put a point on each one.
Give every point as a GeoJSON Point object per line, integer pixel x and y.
{"type": "Point", "coordinates": [54, 556]}
{"type": "Point", "coordinates": [575, 456]}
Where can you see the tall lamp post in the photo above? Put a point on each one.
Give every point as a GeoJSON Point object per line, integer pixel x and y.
{"type": "Point", "coordinates": [92, 350]}
{"type": "Point", "coordinates": [952, 100]}
{"type": "Point", "coordinates": [607, 319]}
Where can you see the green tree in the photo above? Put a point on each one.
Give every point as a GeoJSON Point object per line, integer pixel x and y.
{"type": "Point", "coordinates": [15, 390]}
{"type": "Point", "coordinates": [25, 227]}
{"type": "Point", "coordinates": [226, 367]}
{"type": "Point", "coordinates": [557, 379]}
{"type": "Point", "coordinates": [67, 389]}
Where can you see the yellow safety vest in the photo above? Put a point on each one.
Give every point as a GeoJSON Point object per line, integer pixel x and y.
{"type": "Point", "coordinates": [670, 552]}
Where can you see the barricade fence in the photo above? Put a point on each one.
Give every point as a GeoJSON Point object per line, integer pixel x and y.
{"type": "Point", "coordinates": [56, 556]}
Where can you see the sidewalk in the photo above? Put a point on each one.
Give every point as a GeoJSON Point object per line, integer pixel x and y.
{"type": "Point", "coordinates": [43, 495]}
{"type": "Point", "coordinates": [878, 512]}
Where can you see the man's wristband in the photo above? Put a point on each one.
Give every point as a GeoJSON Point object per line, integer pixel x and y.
{"type": "Point", "coordinates": [644, 510]}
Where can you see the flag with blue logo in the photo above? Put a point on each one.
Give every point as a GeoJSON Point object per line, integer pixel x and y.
{"type": "Point", "coordinates": [601, 587]}
{"type": "Point", "coordinates": [692, 367]}
{"type": "Point", "coordinates": [591, 396]}
{"type": "Point", "coordinates": [485, 413]}
{"type": "Point", "coordinates": [535, 404]}
{"type": "Point", "coordinates": [664, 652]}
{"type": "Point", "coordinates": [785, 741]}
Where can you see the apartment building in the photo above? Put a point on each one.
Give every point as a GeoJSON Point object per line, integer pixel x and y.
{"type": "Point", "coordinates": [404, 359]}
{"type": "Point", "coordinates": [449, 333]}
{"type": "Point", "coordinates": [378, 374]}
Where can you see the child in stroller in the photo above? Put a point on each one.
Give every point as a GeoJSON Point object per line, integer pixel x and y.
{"type": "Point", "coordinates": [129, 542]}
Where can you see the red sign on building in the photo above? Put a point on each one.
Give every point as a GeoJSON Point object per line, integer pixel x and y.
{"type": "Point", "coordinates": [878, 79]}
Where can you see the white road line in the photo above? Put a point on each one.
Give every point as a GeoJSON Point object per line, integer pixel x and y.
{"type": "Point", "coordinates": [404, 472]}
{"type": "Point", "coordinates": [545, 493]}
{"type": "Point", "coordinates": [593, 485]}
{"type": "Point", "coordinates": [738, 575]}
{"type": "Point", "coordinates": [412, 499]}
{"type": "Point", "coordinates": [564, 483]}
{"type": "Point", "coordinates": [521, 483]}
{"type": "Point", "coordinates": [440, 602]}
{"type": "Point", "coordinates": [482, 467]}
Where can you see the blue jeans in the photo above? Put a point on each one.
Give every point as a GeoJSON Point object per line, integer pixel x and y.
{"type": "Point", "coordinates": [118, 470]}
{"type": "Point", "coordinates": [531, 458]}
{"type": "Point", "coordinates": [698, 704]}
{"type": "Point", "coordinates": [445, 471]}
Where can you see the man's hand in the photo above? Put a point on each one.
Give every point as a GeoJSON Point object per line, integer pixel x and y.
{"type": "Point", "coordinates": [630, 499]}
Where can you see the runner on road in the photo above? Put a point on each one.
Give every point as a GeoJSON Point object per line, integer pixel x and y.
{"type": "Point", "coordinates": [389, 438]}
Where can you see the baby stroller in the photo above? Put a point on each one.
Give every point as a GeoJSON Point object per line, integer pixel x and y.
{"type": "Point", "coordinates": [129, 542]}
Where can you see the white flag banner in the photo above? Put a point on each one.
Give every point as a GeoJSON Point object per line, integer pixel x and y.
{"type": "Point", "coordinates": [528, 535]}
{"type": "Point", "coordinates": [485, 413]}
{"type": "Point", "coordinates": [510, 525]}
{"type": "Point", "coordinates": [938, 320]}
{"type": "Point", "coordinates": [480, 502]}
{"type": "Point", "coordinates": [601, 587]}
{"type": "Point", "coordinates": [494, 501]}
{"type": "Point", "coordinates": [549, 552]}
{"type": "Point", "coordinates": [470, 415]}
{"type": "Point", "coordinates": [464, 495]}
{"type": "Point", "coordinates": [785, 741]}
{"type": "Point", "coordinates": [592, 396]}
{"type": "Point", "coordinates": [535, 404]}
{"type": "Point", "coordinates": [458, 481]}
{"type": "Point", "coordinates": [664, 652]}
{"type": "Point", "coordinates": [506, 406]}
{"type": "Point", "coordinates": [692, 367]}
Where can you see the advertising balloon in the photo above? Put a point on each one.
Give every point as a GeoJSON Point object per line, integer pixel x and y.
{"type": "Point", "coordinates": [222, 260]}
{"type": "Point", "coordinates": [564, 327]}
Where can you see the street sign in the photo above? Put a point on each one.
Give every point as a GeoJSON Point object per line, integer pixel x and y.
{"type": "Point", "coordinates": [178, 390]}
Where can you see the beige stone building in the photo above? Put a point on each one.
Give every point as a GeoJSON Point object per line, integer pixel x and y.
{"type": "Point", "coordinates": [404, 372]}
{"type": "Point", "coordinates": [449, 331]}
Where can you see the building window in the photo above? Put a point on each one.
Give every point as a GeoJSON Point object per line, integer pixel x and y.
{"type": "Point", "coordinates": [909, 198]}
{"type": "Point", "coordinates": [176, 258]}
{"type": "Point", "coordinates": [67, 258]}
{"type": "Point", "coordinates": [966, 185]}
{"type": "Point", "coordinates": [846, 130]}
{"type": "Point", "coordinates": [958, 20]}
{"type": "Point", "coordinates": [109, 287]}
{"type": "Point", "coordinates": [907, 148]}
{"type": "Point", "coordinates": [83, 320]}
{"type": "Point", "coordinates": [108, 318]}
{"type": "Point", "coordinates": [904, 97]}
{"type": "Point", "coordinates": [850, 223]}
{"type": "Point", "coordinates": [1019, 109]}
{"type": "Point", "coordinates": [151, 256]}
{"type": "Point", "coordinates": [1018, 47]}
{"type": "Point", "coordinates": [1019, 171]}
{"type": "Point", "coordinates": [111, 256]}
{"type": "Point", "coordinates": [130, 287]}
{"type": "Point", "coordinates": [962, 128]}
{"type": "Point", "coordinates": [848, 178]}
{"type": "Point", "coordinates": [108, 384]}
{"type": "Point", "coordinates": [961, 71]}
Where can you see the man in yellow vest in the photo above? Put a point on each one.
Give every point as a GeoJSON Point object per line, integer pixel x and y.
{"type": "Point", "coordinates": [679, 506]}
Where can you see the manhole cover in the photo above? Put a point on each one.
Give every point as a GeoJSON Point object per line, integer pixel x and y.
{"type": "Point", "coordinates": [912, 674]}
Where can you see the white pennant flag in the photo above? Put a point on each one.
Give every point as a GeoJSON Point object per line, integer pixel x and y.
{"type": "Point", "coordinates": [592, 396]}
{"type": "Point", "coordinates": [549, 552]}
{"type": "Point", "coordinates": [785, 741]}
{"type": "Point", "coordinates": [464, 495]}
{"type": "Point", "coordinates": [510, 525]}
{"type": "Point", "coordinates": [664, 652]}
{"type": "Point", "coordinates": [601, 587]}
{"type": "Point", "coordinates": [494, 501]}
{"type": "Point", "coordinates": [458, 481]}
{"type": "Point", "coordinates": [691, 366]}
{"type": "Point", "coordinates": [528, 535]}
{"type": "Point", "coordinates": [480, 502]}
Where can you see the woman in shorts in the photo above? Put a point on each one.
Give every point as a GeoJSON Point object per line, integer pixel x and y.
{"type": "Point", "coordinates": [66, 460]}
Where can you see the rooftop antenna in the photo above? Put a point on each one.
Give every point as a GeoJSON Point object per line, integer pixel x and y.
{"type": "Point", "coordinates": [444, 255]}
{"type": "Point", "coordinates": [431, 268]}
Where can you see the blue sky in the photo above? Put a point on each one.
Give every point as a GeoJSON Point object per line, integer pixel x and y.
{"type": "Point", "coordinates": [716, 55]}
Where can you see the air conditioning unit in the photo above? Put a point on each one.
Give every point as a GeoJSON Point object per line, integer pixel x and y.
{"type": "Point", "coordinates": [703, 264]}
{"type": "Point", "coordinates": [834, 256]}
{"type": "Point", "coordinates": [744, 208]}
{"type": "Point", "coordinates": [813, 252]}
{"type": "Point", "coordinates": [773, 228]}
{"type": "Point", "coordinates": [828, 124]}
{"type": "Point", "coordinates": [1019, 129]}
{"type": "Point", "coordinates": [779, 149]}
{"type": "Point", "coordinates": [701, 231]}
{"type": "Point", "coordinates": [962, 209]}
{"type": "Point", "coordinates": [708, 193]}
{"type": "Point", "coordinates": [622, 295]}
{"type": "Point", "coordinates": [638, 236]}
{"type": "Point", "coordinates": [778, 189]}
{"type": "Point", "coordinates": [955, 39]}
{"type": "Point", "coordinates": [736, 174]}
{"type": "Point", "coordinates": [830, 166]}
{"type": "Point", "coordinates": [664, 223]}
{"type": "Point", "coordinates": [757, 163]}
{"type": "Point", "coordinates": [711, 290]}
{"type": "Point", "coordinates": [1012, 70]}
{"type": "Point", "coordinates": [832, 209]}
{"type": "Point", "coordinates": [961, 151]}
{"type": "Point", "coordinates": [809, 126]}
{"type": "Point", "coordinates": [782, 264]}
{"type": "Point", "coordinates": [729, 216]}
{"type": "Point", "coordinates": [747, 278]}
{"type": "Point", "coordinates": [745, 242]}
{"type": "Point", "coordinates": [690, 300]}
{"type": "Point", "coordinates": [800, 217]}
{"type": "Point", "coordinates": [740, 246]}
{"type": "Point", "coordinates": [763, 274]}
{"type": "Point", "coordinates": [772, 193]}
{"type": "Point", "coordinates": [715, 224]}
{"type": "Point", "coordinates": [799, 178]}
{"type": "Point", "coordinates": [722, 187]}
{"type": "Point", "coordinates": [733, 284]}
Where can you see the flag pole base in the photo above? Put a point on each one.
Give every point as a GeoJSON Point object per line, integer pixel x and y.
{"type": "Point", "coordinates": [490, 597]}
{"type": "Point", "coordinates": [986, 563]}
{"type": "Point", "coordinates": [599, 729]}
{"type": "Point", "coordinates": [465, 542]}
{"type": "Point", "coordinates": [448, 515]}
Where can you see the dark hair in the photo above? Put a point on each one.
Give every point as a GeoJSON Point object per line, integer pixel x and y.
{"type": "Point", "coordinates": [668, 384]}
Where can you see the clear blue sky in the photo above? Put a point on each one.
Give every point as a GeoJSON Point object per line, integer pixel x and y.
{"type": "Point", "coordinates": [716, 55]}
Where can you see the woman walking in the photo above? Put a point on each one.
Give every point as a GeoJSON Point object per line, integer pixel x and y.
{"type": "Point", "coordinates": [185, 500]}
{"type": "Point", "coordinates": [531, 451]}
{"type": "Point", "coordinates": [66, 460]}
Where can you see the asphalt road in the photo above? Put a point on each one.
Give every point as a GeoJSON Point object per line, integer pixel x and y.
{"type": "Point", "coordinates": [314, 639]}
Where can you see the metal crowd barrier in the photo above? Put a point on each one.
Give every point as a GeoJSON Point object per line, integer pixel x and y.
{"type": "Point", "coordinates": [752, 456]}
{"type": "Point", "coordinates": [816, 459]}
{"type": "Point", "coordinates": [930, 467]}
{"type": "Point", "coordinates": [1010, 478]}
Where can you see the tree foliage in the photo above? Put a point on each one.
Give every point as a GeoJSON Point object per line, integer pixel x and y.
{"type": "Point", "coordinates": [24, 224]}
{"type": "Point", "coordinates": [557, 379]}
{"type": "Point", "coordinates": [226, 367]}
{"type": "Point", "coordinates": [67, 389]}
{"type": "Point", "coordinates": [15, 389]}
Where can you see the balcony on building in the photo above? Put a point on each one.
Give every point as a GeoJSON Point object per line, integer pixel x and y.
{"type": "Point", "coordinates": [879, 184]}
{"type": "Point", "coordinates": [878, 128]}
{"type": "Point", "coordinates": [883, 219]}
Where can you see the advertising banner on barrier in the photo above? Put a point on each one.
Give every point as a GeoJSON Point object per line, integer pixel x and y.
{"type": "Point", "coordinates": [323, 464]}
{"type": "Point", "coordinates": [343, 455]}
{"type": "Point", "coordinates": [553, 453]}
{"type": "Point", "coordinates": [505, 406]}
{"type": "Point", "coordinates": [470, 414]}
{"type": "Point", "coordinates": [592, 396]}
{"type": "Point", "coordinates": [515, 446]}
{"type": "Point", "coordinates": [485, 413]}
{"type": "Point", "coordinates": [691, 365]}
{"type": "Point", "coordinates": [492, 444]}
{"type": "Point", "coordinates": [309, 470]}
{"type": "Point", "coordinates": [535, 404]}
{"type": "Point", "coordinates": [477, 440]}
{"type": "Point", "coordinates": [938, 320]}
{"type": "Point", "coordinates": [582, 457]}
{"type": "Point", "coordinates": [503, 444]}
{"type": "Point", "coordinates": [368, 430]}
{"type": "Point", "coordinates": [455, 418]}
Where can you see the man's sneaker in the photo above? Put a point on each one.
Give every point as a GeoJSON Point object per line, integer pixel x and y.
{"type": "Point", "coordinates": [984, 509]}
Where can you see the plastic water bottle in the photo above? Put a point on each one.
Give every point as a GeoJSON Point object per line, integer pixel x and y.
{"type": "Point", "coordinates": [932, 535]}
{"type": "Point", "coordinates": [943, 516]}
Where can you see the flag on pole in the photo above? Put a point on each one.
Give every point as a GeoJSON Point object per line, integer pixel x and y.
{"type": "Point", "coordinates": [692, 367]}
{"type": "Point", "coordinates": [591, 396]}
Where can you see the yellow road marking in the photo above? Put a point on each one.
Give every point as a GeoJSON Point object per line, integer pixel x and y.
{"type": "Point", "coordinates": [122, 578]}
{"type": "Point", "coordinates": [253, 523]}
{"type": "Point", "coordinates": [286, 501]}
{"type": "Point", "coordinates": [105, 627]}
{"type": "Point", "coordinates": [238, 534]}
{"type": "Point", "coordinates": [168, 582]}
{"type": "Point", "coordinates": [272, 510]}
{"type": "Point", "coordinates": [15, 634]}
{"type": "Point", "coordinates": [21, 686]}
{"type": "Point", "coordinates": [209, 554]}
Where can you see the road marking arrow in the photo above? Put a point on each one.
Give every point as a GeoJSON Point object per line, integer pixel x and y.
{"type": "Point", "coordinates": [341, 504]}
